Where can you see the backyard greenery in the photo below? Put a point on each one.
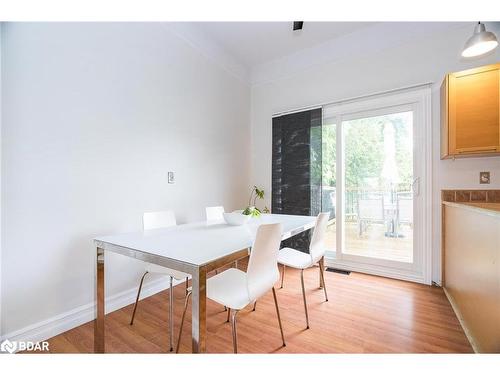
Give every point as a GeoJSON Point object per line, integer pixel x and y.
{"type": "Point", "coordinates": [365, 153]}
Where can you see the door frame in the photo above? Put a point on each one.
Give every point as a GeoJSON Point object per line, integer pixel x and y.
{"type": "Point", "coordinates": [419, 100]}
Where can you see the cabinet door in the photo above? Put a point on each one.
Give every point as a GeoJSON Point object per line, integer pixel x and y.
{"type": "Point", "coordinates": [474, 119]}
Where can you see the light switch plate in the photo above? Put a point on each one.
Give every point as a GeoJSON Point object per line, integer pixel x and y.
{"type": "Point", "coordinates": [484, 177]}
{"type": "Point", "coordinates": [171, 177]}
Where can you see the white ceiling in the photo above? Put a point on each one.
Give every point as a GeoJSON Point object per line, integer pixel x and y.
{"type": "Point", "coordinates": [260, 52]}
{"type": "Point", "coordinates": [254, 43]}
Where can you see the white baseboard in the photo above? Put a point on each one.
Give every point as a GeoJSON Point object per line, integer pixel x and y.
{"type": "Point", "coordinates": [375, 270]}
{"type": "Point", "coordinates": [70, 319]}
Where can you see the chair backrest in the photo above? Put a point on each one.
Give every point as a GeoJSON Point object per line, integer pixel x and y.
{"type": "Point", "coordinates": [262, 270]}
{"type": "Point", "coordinates": [405, 210]}
{"type": "Point", "coordinates": [214, 213]}
{"type": "Point", "coordinates": [371, 209]}
{"type": "Point", "coordinates": [158, 219]}
{"type": "Point", "coordinates": [317, 245]}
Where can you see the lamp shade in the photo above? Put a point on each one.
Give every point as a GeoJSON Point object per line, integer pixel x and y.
{"type": "Point", "coordinates": [480, 42]}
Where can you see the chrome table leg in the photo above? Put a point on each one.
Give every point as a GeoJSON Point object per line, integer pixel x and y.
{"type": "Point", "coordinates": [99, 322]}
{"type": "Point", "coordinates": [199, 315]}
{"type": "Point", "coordinates": [171, 313]}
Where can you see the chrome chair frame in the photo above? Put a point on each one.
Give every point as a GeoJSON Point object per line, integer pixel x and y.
{"type": "Point", "coordinates": [231, 314]}
{"type": "Point", "coordinates": [170, 306]}
{"type": "Point", "coordinates": [322, 284]}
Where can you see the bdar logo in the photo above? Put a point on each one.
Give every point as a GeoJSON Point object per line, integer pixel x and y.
{"type": "Point", "coordinates": [30, 346]}
{"type": "Point", "coordinates": [8, 347]}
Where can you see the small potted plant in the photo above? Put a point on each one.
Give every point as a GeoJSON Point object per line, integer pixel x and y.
{"type": "Point", "coordinates": [252, 210]}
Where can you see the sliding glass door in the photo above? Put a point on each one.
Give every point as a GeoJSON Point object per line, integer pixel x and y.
{"type": "Point", "coordinates": [374, 163]}
{"type": "Point", "coordinates": [378, 194]}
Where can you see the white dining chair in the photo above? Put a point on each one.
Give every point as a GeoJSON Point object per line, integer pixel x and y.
{"type": "Point", "coordinates": [237, 289]}
{"type": "Point", "coordinates": [214, 214]}
{"type": "Point", "coordinates": [300, 260]}
{"type": "Point", "coordinates": [404, 209]}
{"type": "Point", "coordinates": [370, 210]}
{"type": "Point", "coordinates": [156, 220]}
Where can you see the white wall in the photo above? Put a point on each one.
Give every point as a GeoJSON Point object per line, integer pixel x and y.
{"type": "Point", "coordinates": [424, 59]}
{"type": "Point", "coordinates": [94, 116]}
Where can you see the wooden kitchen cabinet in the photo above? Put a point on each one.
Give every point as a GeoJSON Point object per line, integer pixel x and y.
{"type": "Point", "coordinates": [470, 113]}
{"type": "Point", "coordinates": [471, 270]}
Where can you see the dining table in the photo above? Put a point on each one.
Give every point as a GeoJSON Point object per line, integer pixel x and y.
{"type": "Point", "coordinates": [194, 248]}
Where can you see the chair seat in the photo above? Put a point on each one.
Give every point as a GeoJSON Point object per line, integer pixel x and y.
{"type": "Point", "coordinates": [229, 288]}
{"type": "Point", "coordinates": [294, 258]}
{"type": "Point", "coordinates": [154, 268]}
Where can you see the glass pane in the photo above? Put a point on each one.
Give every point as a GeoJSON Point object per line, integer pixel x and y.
{"type": "Point", "coordinates": [329, 180]}
{"type": "Point", "coordinates": [378, 221]}
{"type": "Point", "coordinates": [316, 147]}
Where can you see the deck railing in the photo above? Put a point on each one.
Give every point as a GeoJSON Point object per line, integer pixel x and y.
{"type": "Point", "coordinates": [352, 196]}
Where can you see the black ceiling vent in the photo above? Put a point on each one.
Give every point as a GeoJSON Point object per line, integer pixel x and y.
{"type": "Point", "coordinates": [297, 25]}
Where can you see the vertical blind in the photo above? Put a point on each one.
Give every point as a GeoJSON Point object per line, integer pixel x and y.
{"type": "Point", "coordinates": [297, 169]}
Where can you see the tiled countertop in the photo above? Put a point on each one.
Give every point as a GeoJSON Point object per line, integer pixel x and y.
{"type": "Point", "coordinates": [474, 196]}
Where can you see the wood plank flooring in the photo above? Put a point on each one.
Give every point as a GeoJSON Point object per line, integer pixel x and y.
{"type": "Point", "coordinates": [365, 314]}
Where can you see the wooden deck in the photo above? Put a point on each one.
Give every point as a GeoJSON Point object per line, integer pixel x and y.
{"type": "Point", "coordinates": [373, 242]}
{"type": "Point", "coordinates": [365, 314]}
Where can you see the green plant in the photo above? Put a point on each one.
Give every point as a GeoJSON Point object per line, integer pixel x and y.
{"type": "Point", "coordinates": [251, 209]}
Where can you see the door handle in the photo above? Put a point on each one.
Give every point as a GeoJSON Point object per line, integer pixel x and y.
{"type": "Point", "coordinates": [415, 186]}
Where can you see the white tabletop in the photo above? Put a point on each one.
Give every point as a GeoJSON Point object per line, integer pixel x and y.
{"type": "Point", "coordinates": [200, 243]}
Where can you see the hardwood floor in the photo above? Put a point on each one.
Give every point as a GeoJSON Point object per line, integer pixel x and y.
{"type": "Point", "coordinates": [365, 314]}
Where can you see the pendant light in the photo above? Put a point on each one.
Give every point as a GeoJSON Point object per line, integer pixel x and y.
{"type": "Point", "coordinates": [480, 42]}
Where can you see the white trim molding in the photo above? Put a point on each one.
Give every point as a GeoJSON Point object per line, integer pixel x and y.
{"type": "Point", "coordinates": [418, 100]}
{"type": "Point", "coordinates": [208, 47]}
{"type": "Point", "coordinates": [426, 98]}
{"type": "Point", "coordinates": [393, 273]}
{"type": "Point", "coordinates": [1, 100]}
{"type": "Point", "coordinates": [376, 38]}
